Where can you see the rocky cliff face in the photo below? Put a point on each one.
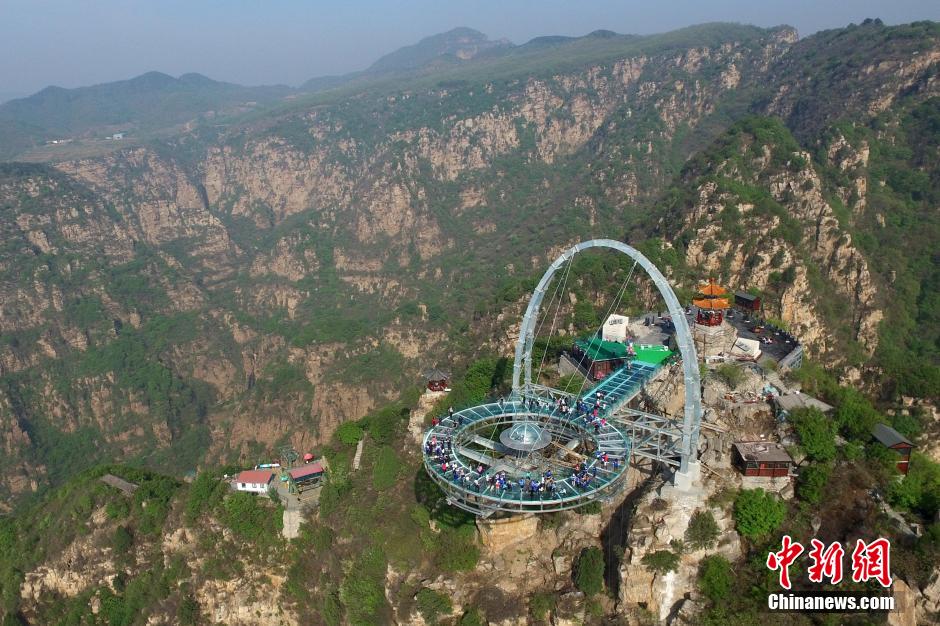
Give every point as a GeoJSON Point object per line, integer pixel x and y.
{"type": "Point", "coordinates": [264, 239]}
{"type": "Point", "coordinates": [308, 264]}
{"type": "Point", "coordinates": [792, 237]}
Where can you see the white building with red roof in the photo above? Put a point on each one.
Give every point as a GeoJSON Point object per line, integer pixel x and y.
{"type": "Point", "coordinates": [253, 481]}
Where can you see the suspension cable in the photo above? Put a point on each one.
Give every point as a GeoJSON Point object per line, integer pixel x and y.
{"type": "Point", "coordinates": [607, 314]}
{"type": "Point", "coordinates": [540, 323]}
{"type": "Point", "coordinates": [551, 332]}
{"type": "Point", "coordinates": [615, 302]}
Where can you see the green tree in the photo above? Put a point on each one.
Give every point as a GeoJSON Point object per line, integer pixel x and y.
{"type": "Point", "coordinates": [855, 414]}
{"type": "Point", "coordinates": [589, 573]}
{"type": "Point", "coordinates": [661, 561]}
{"type": "Point", "coordinates": [703, 530]}
{"type": "Point", "coordinates": [432, 604]}
{"type": "Point", "coordinates": [758, 513]}
{"type": "Point", "coordinates": [122, 540]}
{"type": "Point", "coordinates": [816, 432]}
{"type": "Point", "coordinates": [541, 604]}
{"type": "Point", "coordinates": [585, 316]}
{"type": "Point", "coordinates": [812, 483]}
{"type": "Point", "coordinates": [349, 433]}
{"type": "Point", "coordinates": [715, 578]}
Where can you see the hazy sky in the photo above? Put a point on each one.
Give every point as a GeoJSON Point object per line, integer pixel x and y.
{"type": "Point", "coordinates": [80, 42]}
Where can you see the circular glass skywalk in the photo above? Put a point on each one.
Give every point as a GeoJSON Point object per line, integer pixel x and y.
{"type": "Point", "coordinates": [510, 457]}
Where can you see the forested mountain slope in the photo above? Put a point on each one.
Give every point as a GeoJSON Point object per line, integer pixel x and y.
{"type": "Point", "coordinates": [145, 103]}
{"type": "Point", "coordinates": [229, 289]}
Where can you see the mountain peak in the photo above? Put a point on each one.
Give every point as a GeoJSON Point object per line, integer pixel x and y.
{"type": "Point", "coordinates": [462, 42]}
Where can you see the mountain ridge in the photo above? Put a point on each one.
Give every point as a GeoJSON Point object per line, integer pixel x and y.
{"type": "Point", "coordinates": [377, 206]}
{"type": "Point", "coordinates": [203, 300]}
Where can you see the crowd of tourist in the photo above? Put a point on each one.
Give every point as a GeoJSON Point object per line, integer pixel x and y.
{"type": "Point", "coordinates": [439, 448]}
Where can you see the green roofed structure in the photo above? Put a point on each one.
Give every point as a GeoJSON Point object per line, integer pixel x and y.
{"type": "Point", "coordinates": [599, 358]}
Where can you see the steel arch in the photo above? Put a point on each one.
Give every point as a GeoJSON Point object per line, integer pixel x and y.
{"type": "Point", "coordinates": [693, 394]}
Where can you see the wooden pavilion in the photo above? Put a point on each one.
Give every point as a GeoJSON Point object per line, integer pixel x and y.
{"type": "Point", "coordinates": [711, 302]}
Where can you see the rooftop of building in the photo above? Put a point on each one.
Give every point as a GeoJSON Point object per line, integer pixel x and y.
{"type": "Point", "coordinates": [890, 437]}
{"type": "Point", "coordinates": [800, 400]}
{"type": "Point", "coordinates": [599, 350]}
{"type": "Point", "coordinates": [762, 451]}
{"type": "Point", "coordinates": [305, 471]}
{"type": "Point", "coordinates": [255, 476]}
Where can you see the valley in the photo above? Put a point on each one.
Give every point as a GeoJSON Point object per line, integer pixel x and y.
{"type": "Point", "coordinates": [219, 286]}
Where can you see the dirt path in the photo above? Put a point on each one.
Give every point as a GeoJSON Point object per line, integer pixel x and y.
{"type": "Point", "coordinates": [358, 458]}
{"type": "Point", "coordinates": [291, 523]}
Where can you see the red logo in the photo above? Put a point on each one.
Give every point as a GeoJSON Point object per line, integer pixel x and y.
{"type": "Point", "coordinates": [872, 560]}
{"type": "Point", "coordinates": [869, 561]}
{"type": "Point", "coordinates": [826, 563]}
{"type": "Point", "coordinates": [783, 559]}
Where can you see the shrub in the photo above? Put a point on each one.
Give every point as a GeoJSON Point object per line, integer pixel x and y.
{"type": "Point", "coordinates": [853, 451]}
{"type": "Point", "coordinates": [362, 597]}
{"type": "Point", "coordinates": [457, 549]}
{"type": "Point", "coordinates": [714, 578]}
{"type": "Point", "coordinates": [591, 508]}
{"type": "Point", "coordinates": [817, 434]}
{"type": "Point", "coordinates": [383, 424]}
{"type": "Point", "coordinates": [757, 513]}
{"type": "Point", "coordinates": [122, 540]}
{"type": "Point", "coordinates": [703, 530]}
{"type": "Point", "coordinates": [589, 573]}
{"type": "Point", "coordinates": [118, 509]}
{"type": "Point", "coordinates": [594, 608]}
{"type": "Point", "coordinates": [420, 516]}
{"type": "Point", "coordinates": [331, 609]}
{"type": "Point", "coordinates": [282, 378]}
{"type": "Point", "coordinates": [812, 483]}
{"type": "Point", "coordinates": [919, 491]}
{"type": "Point", "coordinates": [473, 617]}
{"type": "Point", "coordinates": [248, 518]}
{"type": "Point", "coordinates": [730, 374]}
{"type": "Point", "coordinates": [661, 561]}
{"type": "Point", "coordinates": [315, 536]}
{"type": "Point", "coordinates": [541, 604]}
{"type": "Point", "coordinates": [187, 613]}
{"type": "Point", "coordinates": [363, 590]}
{"type": "Point", "coordinates": [204, 493]}
{"type": "Point", "coordinates": [349, 433]}
{"type": "Point", "coordinates": [386, 468]}
{"type": "Point", "coordinates": [431, 604]}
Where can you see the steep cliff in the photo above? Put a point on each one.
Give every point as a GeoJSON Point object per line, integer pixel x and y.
{"type": "Point", "coordinates": [234, 288]}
